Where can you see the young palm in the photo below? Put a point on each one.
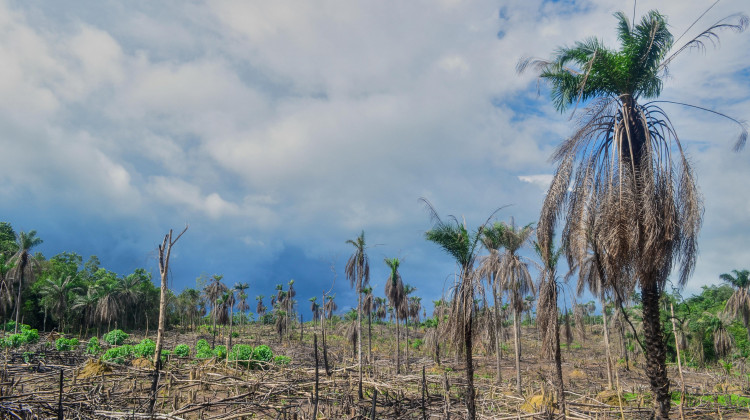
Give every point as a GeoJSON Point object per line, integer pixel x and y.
{"type": "Point", "coordinates": [633, 189]}
{"type": "Point", "coordinates": [394, 291]}
{"type": "Point", "coordinates": [455, 239]}
{"type": "Point", "coordinates": [738, 305]}
{"type": "Point", "coordinates": [24, 264]}
{"type": "Point", "coordinates": [514, 277]}
{"type": "Point", "coordinates": [358, 273]}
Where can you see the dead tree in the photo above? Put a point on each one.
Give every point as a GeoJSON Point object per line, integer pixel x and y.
{"type": "Point", "coordinates": [165, 249]}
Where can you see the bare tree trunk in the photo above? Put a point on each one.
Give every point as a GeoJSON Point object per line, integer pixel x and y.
{"type": "Point", "coordinates": [406, 322]}
{"type": "Point", "coordinates": [165, 249]}
{"type": "Point", "coordinates": [369, 336]}
{"type": "Point", "coordinates": [359, 335]}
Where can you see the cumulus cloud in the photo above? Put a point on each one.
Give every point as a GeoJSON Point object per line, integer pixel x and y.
{"type": "Point", "coordinates": [297, 124]}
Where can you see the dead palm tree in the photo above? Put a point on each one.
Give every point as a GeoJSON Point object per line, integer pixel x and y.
{"type": "Point", "coordinates": [394, 291]}
{"type": "Point", "coordinates": [260, 308]}
{"type": "Point", "coordinates": [24, 265]}
{"type": "Point", "coordinates": [738, 305]}
{"type": "Point", "coordinates": [489, 267]}
{"type": "Point", "coordinates": [633, 193]}
{"type": "Point", "coordinates": [404, 314]}
{"type": "Point", "coordinates": [357, 271]}
{"type": "Point", "coordinates": [513, 273]}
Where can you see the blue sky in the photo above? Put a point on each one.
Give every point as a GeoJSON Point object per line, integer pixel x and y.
{"type": "Point", "coordinates": [278, 130]}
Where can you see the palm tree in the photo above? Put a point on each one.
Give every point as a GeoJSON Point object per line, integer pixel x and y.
{"type": "Point", "coordinates": [368, 306]}
{"type": "Point", "coordinates": [738, 305]}
{"type": "Point", "coordinates": [260, 308]}
{"type": "Point", "coordinates": [6, 289]}
{"type": "Point", "coordinates": [213, 291]}
{"type": "Point", "coordinates": [315, 308]}
{"type": "Point", "coordinates": [108, 305]}
{"type": "Point", "coordinates": [489, 267]}
{"type": "Point", "coordinates": [242, 305]}
{"type": "Point", "coordinates": [357, 271]}
{"type": "Point", "coordinates": [394, 291]}
{"type": "Point", "coordinates": [514, 277]}
{"type": "Point", "coordinates": [24, 264]}
{"type": "Point", "coordinates": [57, 291]}
{"type": "Point", "coordinates": [404, 313]}
{"type": "Point", "coordinates": [455, 239]}
{"type": "Point", "coordinates": [633, 190]}
{"type": "Point", "coordinates": [330, 306]}
{"type": "Point", "coordinates": [547, 314]}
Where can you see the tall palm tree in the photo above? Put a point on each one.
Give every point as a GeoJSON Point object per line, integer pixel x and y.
{"type": "Point", "coordinates": [6, 288]}
{"type": "Point", "coordinates": [213, 291]}
{"type": "Point", "coordinates": [489, 267]}
{"type": "Point", "coordinates": [404, 313]}
{"type": "Point", "coordinates": [357, 271]}
{"type": "Point", "coordinates": [24, 264]}
{"type": "Point", "coordinates": [515, 280]}
{"type": "Point", "coordinates": [547, 314]}
{"type": "Point", "coordinates": [633, 188]}
{"type": "Point", "coordinates": [242, 305]}
{"type": "Point", "coordinates": [108, 306]}
{"type": "Point", "coordinates": [315, 308]}
{"type": "Point", "coordinates": [394, 291]}
{"type": "Point", "coordinates": [330, 306]}
{"type": "Point", "coordinates": [368, 306]}
{"type": "Point", "coordinates": [455, 239]}
{"type": "Point", "coordinates": [260, 309]}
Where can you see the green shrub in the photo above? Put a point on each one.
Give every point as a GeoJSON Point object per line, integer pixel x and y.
{"type": "Point", "coordinates": [115, 337]}
{"type": "Point", "coordinates": [29, 335]}
{"type": "Point", "coordinates": [27, 356]}
{"type": "Point", "coordinates": [146, 348]}
{"type": "Point", "coordinates": [235, 334]}
{"type": "Point", "coordinates": [203, 350]}
{"type": "Point", "coordinates": [93, 346]}
{"type": "Point", "coordinates": [66, 344]}
{"type": "Point", "coordinates": [182, 350]}
{"type": "Point", "coordinates": [417, 343]}
{"type": "Point", "coordinates": [242, 353]}
{"type": "Point", "coordinates": [220, 352]}
{"type": "Point", "coordinates": [118, 354]}
{"type": "Point", "coordinates": [261, 353]}
{"type": "Point", "coordinates": [281, 360]}
{"type": "Point", "coordinates": [165, 355]}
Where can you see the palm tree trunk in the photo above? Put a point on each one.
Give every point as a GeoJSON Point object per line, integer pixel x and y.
{"type": "Point", "coordinates": [369, 336]}
{"type": "Point", "coordinates": [22, 270]}
{"type": "Point", "coordinates": [558, 363]}
{"type": "Point", "coordinates": [470, 403]}
{"type": "Point", "coordinates": [359, 336]}
{"type": "Point", "coordinates": [398, 348]}
{"type": "Point", "coordinates": [498, 350]}
{"type": "Point", "coordinates": [656, 368]}
{"type": "Point", "coordinates": [517, 339]}
{"type": "Point", "coordinates": [406, 323]}
{"type": "Point", "coordinates": [606, 345]}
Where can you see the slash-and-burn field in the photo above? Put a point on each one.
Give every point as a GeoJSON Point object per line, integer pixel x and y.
{"type": "Point", "coordinates": [191, 388]}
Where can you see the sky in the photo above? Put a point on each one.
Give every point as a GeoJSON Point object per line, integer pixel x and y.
{"type": "Point", "coordinates": [279, 130]}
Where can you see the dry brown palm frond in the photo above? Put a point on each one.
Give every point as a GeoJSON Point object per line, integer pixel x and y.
{"type": "Point", "coordinates": [351, 336]}
{"type": "Point", "coordinates": [547, 316]}
{"type": "Point", "coordinates": [723, 342]}
{"type": "Point", "coordinates": [738, 305]}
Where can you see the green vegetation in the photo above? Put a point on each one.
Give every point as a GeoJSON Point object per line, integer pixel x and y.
{"type": "Point", "coordinates": [66, 344]}
{"type": "Point", "coordinates": [220, 352]}
{"type": "Point", "coordinates": [203, 350]}
{"type": "Point", "coordinates": [282, 360]}
{"type": "Point", "coordinates": [146, 348]}
{"type": "Point", "coordinates": [118, 354]}
{"type": "Point", "coordinates": [241, 353]}
{"type": "Point", "coordinates": [115, 337]}
{"type": "Point", "coordinates": [182, 350]}
{"type": "Point", "coordinates": [93, 346]}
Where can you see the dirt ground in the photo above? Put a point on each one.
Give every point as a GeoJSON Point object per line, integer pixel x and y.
{"type": "Point", "coordinates": [188, 388]}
